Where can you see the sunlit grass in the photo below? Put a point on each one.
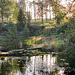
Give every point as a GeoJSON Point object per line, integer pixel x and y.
{"type": "Point", "coordinates": [48, 24]}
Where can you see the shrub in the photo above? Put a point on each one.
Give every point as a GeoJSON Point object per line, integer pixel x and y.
{"type": "Point", "coordinates": [49, 31]}
{"type": "Point", "coordinates": [25, 33]}
{"type": "Point", "coordinates": [64, 20]}
{"type": "Point", "coordinates": [62, 29]}
{"type": "Point", "coordinates": [30, 42]}
{"type": "Point", "coordinates": [59, 17]}
{"type": "Point", "coordinates": [19, 26]}
{"type": "Point", "coordinates": [38, 41]}
{"type": "Point", "coordinates": [39, 52]}
{"type": "Point", "coordinates": [36, 30]}
{"type": "Point", "coordinates": [12, 30]}
{"type": "Point", "coordinates": [68, 53]}
{"type": "Point", "coordinates": [11, 36]}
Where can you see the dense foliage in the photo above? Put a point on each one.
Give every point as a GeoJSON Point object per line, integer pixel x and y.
{"type": "Point", "coordinates": [57, 34]}
{"type": "Point", "coordinates": [21, 20]}
{"type": "Point", "coordinates": [63, 28]}
{"type": "Point", "coordinates": [68, 52]}
{"type": "Point", "coordinates": [11, 36]}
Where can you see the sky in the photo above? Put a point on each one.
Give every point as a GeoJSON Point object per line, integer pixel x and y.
{"type": "Point", "coordinates": [63, 2]}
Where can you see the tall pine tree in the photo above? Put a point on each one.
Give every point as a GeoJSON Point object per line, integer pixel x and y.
{"type": "Point", "coordinates": [21, 20]}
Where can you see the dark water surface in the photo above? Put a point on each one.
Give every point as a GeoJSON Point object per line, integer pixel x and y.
{"type": "Point", "coordinates": [35, 65]}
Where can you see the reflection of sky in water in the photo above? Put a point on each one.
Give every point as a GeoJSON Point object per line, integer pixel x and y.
{"type": "Point", "coordinates": [35, 65]}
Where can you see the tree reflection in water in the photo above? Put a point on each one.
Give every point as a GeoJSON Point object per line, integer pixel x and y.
{"type": "Point", "coordinates": [35, 65]}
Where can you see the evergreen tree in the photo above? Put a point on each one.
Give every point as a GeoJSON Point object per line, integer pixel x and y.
{"type": "Point", "coordinates": [21, 20]}
{"type": "Point", "coordinates": [11, 37]}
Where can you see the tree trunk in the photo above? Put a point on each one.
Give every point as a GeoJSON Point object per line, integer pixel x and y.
{"type": "Point", "coordinates": [34, 11]}
{"type": "Point", "coordinates": [2, 15]}
{"type": "Point", "coordinates": [2, 22]}
{"type": "Point", "coordinates": [46, 16]}
{"type": "Point", "coordinates": [42, 11]}
{"type": "Point", "coordinates": [50, 13]}
{"type": "Point", "coordinates": [42, 16]}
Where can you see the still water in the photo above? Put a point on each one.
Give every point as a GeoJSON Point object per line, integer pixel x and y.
{"type": "Point", "coordinates": [35, 65]}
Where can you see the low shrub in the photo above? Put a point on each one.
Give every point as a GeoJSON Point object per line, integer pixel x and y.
{"type": "Point", "coordinates": [48, 24]}
{"type": "Point", "coordinates": [68, 53]}
{"type": "Point", "coordinates": [49, 31]}
{"type": "Point", "coordinates": [25, 33]}
{"type": "Point", "coordinates": [11, 41]}
{"type": "Point", "coordinates": [62, 29]}
{"type": "Point", "coordinates": [64, 20]}
{"type": "Point", "coordinates": [30, 42]}
{"type": "Point", "coordinates": [57, 45]}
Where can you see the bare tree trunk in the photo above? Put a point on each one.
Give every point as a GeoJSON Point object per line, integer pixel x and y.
{"type": "Point", "coordinates": [50, 13]}
{"type": "Point", "coordinates": [42, 11]}
{"type": "Point", "coordinates": [42, 16]}
{"type": "Point", "coordinates": [2, 15]}
{"type": "Point", "coordinates": [34, 11]}
{"type": "Point", "coordinates": [2, 21]}
{"type": "Point", "coordinates": [46, 16]}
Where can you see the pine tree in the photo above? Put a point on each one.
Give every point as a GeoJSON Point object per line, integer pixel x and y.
{"type": "Point", "coordinates": [21, 20]}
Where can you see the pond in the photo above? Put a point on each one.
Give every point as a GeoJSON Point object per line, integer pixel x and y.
{"type": "Point", "coordinates": [34, 65]}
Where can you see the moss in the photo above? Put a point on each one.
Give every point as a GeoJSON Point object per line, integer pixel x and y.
{"type": "Point", "coordinates": [2, 58]}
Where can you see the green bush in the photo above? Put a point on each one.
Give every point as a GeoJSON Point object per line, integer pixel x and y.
{"type": "Point", "coordinates": [49, 31]}
{"type": "Point", "coordinates": [30, 42]}
{"type": "Point", "coordinates": [19, 26]}
{"type": "Point", "coordinates": [25, 33]}
{"type": "Point", "coordinates": [12, 30]}
{"type": "Point", "coordinates": [39, 52]}
{"type": "Point", "coordinates": [39, 42]}
{"type": "Point", "coordinates": [59, 17]}
{"type": "Point", "coordinates": [35, 30]}
{"type": "Point", "coordinates": [64, 20]}
{"type": "Point", "coordinates": [62, 29]}
{"type": "Point", "coordinates": [68, 53]}
{"type": "Point", "coordinates": [11, 36]}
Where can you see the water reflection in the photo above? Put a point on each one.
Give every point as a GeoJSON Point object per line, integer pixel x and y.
{"type": "Point", "coordinates": [35, 65]}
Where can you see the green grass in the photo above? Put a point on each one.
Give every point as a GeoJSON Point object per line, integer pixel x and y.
{"type": "Point", "coordinates": [2, 36]}
{"type": "Point", "coordinates": [36, 24]}
{"type": "Point", "coordinates": [48, 24]}
{"type": "Point", "coordinates": [59, 44]}
{"type": "Point", "coordinates": [59, 41]}
{"type": "Point", "coordinates": [44, 24]}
